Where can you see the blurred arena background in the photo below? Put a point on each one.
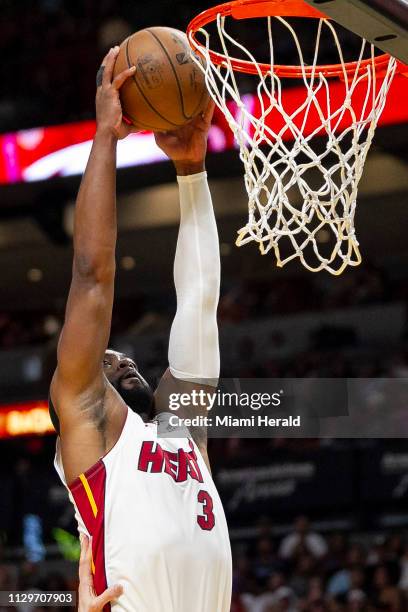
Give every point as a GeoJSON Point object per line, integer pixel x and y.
{"type": "Point", "coordinates": [349, 552]}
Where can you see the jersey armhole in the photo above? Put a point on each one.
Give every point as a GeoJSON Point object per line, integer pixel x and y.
{"type": "Point", "coordinates": [107, 456]}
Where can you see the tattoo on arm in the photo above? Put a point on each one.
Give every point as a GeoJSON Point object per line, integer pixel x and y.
{"type": "Point", "coordinates": [99, 76]}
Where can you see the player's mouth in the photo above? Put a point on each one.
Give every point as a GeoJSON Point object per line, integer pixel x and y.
{"type": "Point", "coordinates": [131, 379]}
{"type": "Point", "coordinates": [131, 374]}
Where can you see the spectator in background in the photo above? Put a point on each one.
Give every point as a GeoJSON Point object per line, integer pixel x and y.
{"type": "Point", "coordinates": [337, 553]}
{"type": "Point", "coordinates": [264, 527]}
{"type": "Point", "coordinates": [315, 593]}
{"type": "Point", "coordinates": [302, 540]}
{"type": "Point", "coordinates": [277, 597]}
{"type": "Point", "coordinates": [356, 596]}
{"type": "Point", "coordinates": [394, 547]}
{"type": "Point", "coordinates": [284, 601]}
{"type": "Point", "coordinates": [377, 553]}
{"type": "Point", "coordinates": [243, 579]}
{"type": "Point", "coordinates": [304, 569]}
{"type": "Point", "coordinates": [265, 561]}
{"type": "Point", "coordinates": [403, 581]}
{"type": "Point", "coordinates": [30, 484]}
{"type": "Point", "coordinates": [7, 583]}
{"type": "Point", "coordinates": [237, 605]}
{"type": "Point", "coordinates": [386, 595]}
{"type": "Point", "coordinates": [347, 575]}
{"type": "Point", "coordinates": [356, 601]}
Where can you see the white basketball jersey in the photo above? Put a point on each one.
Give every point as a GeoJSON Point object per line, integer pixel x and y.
{"type": "Point", "coordinates": [157, 523]}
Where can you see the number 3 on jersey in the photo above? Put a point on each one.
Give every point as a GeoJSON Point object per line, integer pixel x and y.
{"type": "Point", "coordinates": [206, 520]}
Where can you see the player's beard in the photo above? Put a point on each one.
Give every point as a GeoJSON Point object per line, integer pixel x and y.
{"type": "Point", "coordinates": [139, 400]}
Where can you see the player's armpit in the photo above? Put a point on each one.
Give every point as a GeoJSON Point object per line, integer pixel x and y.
{"type": "Point", "coordinates": [90, 426]}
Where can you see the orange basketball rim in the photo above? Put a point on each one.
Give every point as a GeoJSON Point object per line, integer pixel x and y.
{"type": "Point", "coordinates": [246, 9]}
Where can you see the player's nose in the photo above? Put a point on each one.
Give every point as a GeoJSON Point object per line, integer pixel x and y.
{"type": "Point", "coordinates": [125, 362]}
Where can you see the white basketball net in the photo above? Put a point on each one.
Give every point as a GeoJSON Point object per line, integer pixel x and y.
{"type": "Point", "coordinates": [300, 226]}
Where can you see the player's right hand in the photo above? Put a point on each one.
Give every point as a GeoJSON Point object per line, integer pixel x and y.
{"type": "Point", "coordinates": [88, 600]}
{"type": "Point", "coordinates": [108, 107]}
{"type": "Point", "coordinates": [187, 146]}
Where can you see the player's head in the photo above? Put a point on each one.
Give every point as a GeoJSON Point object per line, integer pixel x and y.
{"type": "Point", "coordinates": [123, 373]}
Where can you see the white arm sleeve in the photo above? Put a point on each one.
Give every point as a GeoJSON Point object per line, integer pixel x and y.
{"type": "Point", "coordinates": [193, 347]}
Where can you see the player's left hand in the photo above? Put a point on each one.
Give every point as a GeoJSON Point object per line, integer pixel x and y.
{"type": "Point", "coordinates": [88, 600]}
{"type": "Point", "coordinates": [188, 144]}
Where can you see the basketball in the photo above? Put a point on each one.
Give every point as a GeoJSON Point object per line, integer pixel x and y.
{"type": "Point", "coordinates": [167, 89]}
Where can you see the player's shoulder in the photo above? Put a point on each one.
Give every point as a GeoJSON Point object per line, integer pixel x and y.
{"type": "Point", "coordinates": [170, 427]}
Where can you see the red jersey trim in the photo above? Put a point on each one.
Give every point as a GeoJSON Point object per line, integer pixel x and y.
{"type": "Point", "coordinates": [88, 491]}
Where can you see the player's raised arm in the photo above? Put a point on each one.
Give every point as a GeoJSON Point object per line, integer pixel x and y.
{"type": "Point", "coordinates": [88, 314]}
{"type": "Point", "coordinates": [194, 360]}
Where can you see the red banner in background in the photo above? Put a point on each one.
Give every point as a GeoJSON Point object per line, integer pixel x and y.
{"type": "Point", "coordinates": [23, 419]}
{"type": "Point", "coordinates": [43, 153]}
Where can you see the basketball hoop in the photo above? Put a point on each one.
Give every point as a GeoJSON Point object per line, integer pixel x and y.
{"type": "Point", "coordinates": [302, 194]}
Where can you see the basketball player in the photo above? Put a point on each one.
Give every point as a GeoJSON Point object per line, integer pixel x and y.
{"type": "Point", "coordinates": [148, 502]}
